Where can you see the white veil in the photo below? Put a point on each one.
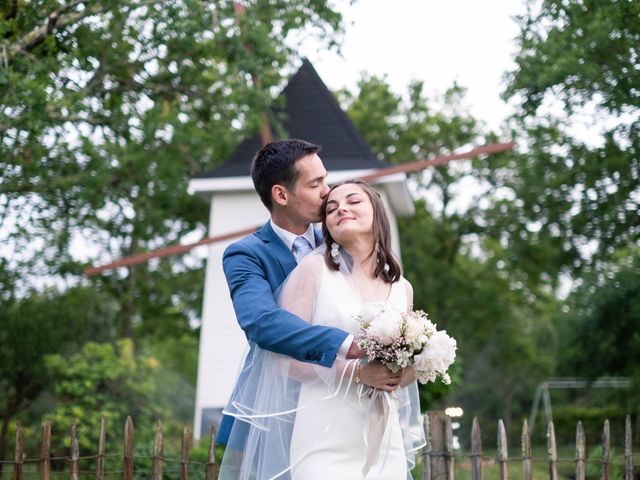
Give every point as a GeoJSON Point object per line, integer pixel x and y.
{"type": "Point", "coordinates": [265, 408]}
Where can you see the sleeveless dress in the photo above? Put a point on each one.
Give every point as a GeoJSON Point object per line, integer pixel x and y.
{"type": "Point", "coordinates": [329, 435]}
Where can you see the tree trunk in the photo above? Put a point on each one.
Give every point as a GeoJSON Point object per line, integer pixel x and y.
{"type": "Point", "coordinates": [3, 440]}
{"type": "Point", "coordinates": [9, 411]}
{"type": "Point", "coordinates": [508, 408]}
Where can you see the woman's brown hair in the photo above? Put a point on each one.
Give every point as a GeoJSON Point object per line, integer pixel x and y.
{"type": "Point", "coordinates": [387, 266]}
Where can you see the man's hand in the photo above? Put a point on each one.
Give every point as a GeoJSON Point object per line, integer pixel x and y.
{"type": "Point", "coordinates": [376, 374]}
{"type": "Point", "coordinates": [408, 376]}
{"type": "Point", "coordinates": [355, 351]}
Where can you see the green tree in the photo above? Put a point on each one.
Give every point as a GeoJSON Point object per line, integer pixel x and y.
{"type": "Point", "coordinates": [576, 91]}
{"type": "Point", "coordinates": [576, 180]}
{"type": "Point", "coordinates": [601, 336]}
{"type": "Point", "coordinates": [38, 324]}
{"type": "Point", "coordinates": [456, 266]}
{"type": "Point", "coordinates": [107, 109]}
{"type": "Point", "coordinates": [103, 380]}
{"type": "Point", "coordinates": [505, 340]}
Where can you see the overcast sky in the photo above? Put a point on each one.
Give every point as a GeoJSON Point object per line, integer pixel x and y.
{"type": "Point", "coordinates": [437, 41]}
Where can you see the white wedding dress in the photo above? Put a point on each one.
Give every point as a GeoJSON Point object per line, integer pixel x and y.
{"type": "Point", "coordinates": [301, 421]}
{"type": "Point", "coordinates": [328, 438]}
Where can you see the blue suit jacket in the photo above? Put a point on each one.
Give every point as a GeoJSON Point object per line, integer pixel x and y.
{"type": "Point", "coordinates": [255, 267]}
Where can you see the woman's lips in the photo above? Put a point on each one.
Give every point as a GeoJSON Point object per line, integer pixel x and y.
{"type": "Point", "coordinates": [345, 219]}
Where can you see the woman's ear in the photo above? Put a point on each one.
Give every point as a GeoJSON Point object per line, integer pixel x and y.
{"type": "Point", "coordinates": [280, 195]}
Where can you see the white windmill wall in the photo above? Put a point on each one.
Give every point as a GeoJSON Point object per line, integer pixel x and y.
{"type": "Point", "coordinates": [222, 342]}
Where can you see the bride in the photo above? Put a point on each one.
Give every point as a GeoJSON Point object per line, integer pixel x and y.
{"type": "Point", "coordinates": [302, 421]}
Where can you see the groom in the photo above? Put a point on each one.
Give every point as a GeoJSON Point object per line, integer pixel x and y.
{"type": "Point", "coordinates": [290, 179]}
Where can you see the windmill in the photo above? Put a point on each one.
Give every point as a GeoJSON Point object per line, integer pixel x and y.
{"type": "Point", "coordinates": [310, 112]}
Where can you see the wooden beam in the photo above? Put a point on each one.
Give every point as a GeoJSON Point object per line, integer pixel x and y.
{"type": "Point", "coordinates": [165, 252]}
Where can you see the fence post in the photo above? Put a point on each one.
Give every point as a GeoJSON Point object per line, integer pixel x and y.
{"type": "Point", "coordinates": [438, 465]}
{"type": "Point", "coordinates": [448, 448]}
{"type": "Point", "coordinates": [552, 452]}
{"type": "Point", "coordinates": [211, 472]}
{"type": "Point", "coordinates": [526, 451]}
{"type": "Point", "coordinates": [476, 450]}
{"type": "Point", "coordinates": [184, 457]}
{"type": "Point", "coordinates": [74, 472]}
{"type": "Point", "coordinates": [18, 457]}
{"type": "Point", "coordinates": [606, 452]}
{"type": "Point", "coordinates": [101, 449]}
{"type": "Point", "coordinates": [45, 451]}
{"type": "Point", "coordinates": [426, 451]}
{"type": "Point", "coordinates": [503, 451]}
{"type": "Point", "coordinates": [128, 449]}
{"type": "Point", "coordinates": [628, 452]}
{"type": "Point", "coordinates": [580, 452]}
{"type": "Point", "coordinates": [158, 452]}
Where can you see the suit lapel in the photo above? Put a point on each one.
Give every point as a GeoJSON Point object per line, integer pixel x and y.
{"type": "Point", "coordinates": [284, 257]}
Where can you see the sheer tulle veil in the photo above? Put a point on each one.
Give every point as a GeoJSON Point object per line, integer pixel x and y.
{"type": "Point", "coordinates": [265, 407]}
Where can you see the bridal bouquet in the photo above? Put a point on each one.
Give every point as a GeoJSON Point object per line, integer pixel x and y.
{"type": "Point", "coordinates": [405, 339]}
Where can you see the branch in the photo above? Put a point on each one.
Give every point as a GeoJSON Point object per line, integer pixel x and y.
{"type": "Point", "coordinates": [57, 183]}
{"type": "Point", "coordinates": [95, 120]}
{"type": "Point", "coordinates": [55, 21]}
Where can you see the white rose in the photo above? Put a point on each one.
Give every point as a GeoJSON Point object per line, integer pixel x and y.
{"type": "Point", "coordinates": [414, 329]}
{"type": "Point", "coordinates": [438, 354]}
{"type": "Point", "coordinates": [430, 328]}
{"type": "Point", "coordinates": [386, 326]}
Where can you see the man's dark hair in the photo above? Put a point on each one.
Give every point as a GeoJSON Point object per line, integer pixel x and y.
{"type": "Point", "coordinates": [274, 164]}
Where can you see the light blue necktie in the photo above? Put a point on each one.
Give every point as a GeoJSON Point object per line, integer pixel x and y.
{"type": "Point", "coordinates": [301, 247]}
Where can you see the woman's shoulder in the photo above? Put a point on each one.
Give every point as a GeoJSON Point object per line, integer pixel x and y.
{"type": "Point", "coordinates": [312, 263]}
{"type": "Point", "coordinates": [407, 288]}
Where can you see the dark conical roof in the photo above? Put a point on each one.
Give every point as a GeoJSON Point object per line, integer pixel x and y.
{"type": "Point", "coordinates": [310, 112]}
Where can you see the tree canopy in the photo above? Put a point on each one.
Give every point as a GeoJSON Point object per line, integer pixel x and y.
{"type": "Point", "coordinates": [106, 110]}
{"type": "Point", "coordinates": [576, 90]}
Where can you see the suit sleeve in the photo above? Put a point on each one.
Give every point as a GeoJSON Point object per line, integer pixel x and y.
{"type": "Point", "coordinates": [265, 323]}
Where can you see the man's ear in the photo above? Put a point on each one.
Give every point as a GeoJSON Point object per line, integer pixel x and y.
{"type": "Point", "coordinates": [280, 195]}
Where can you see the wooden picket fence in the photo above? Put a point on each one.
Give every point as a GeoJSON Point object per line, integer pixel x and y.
{"type": "Point", "coordinates": [438, 457]}
{"type": "Point", "coordinates": [128, 457]}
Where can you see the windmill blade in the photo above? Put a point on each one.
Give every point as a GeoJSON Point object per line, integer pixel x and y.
{"type": "Point", "coordinates": [418, 165]}
{"type": "Point", "coordinates": [410, 167]}
{"type": "Point", "coordinates": [166, 252]}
